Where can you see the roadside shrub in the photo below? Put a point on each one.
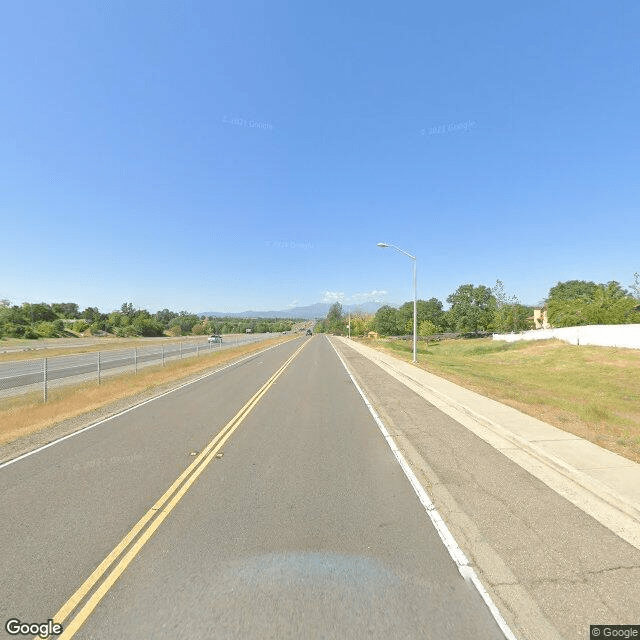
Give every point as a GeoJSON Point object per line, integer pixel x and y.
{"type": "Point", "coordinates": [44, 330]}
{"type": "Point", "coordinates": [147, 327]}
{"type": "Point", "coordinates": [13, 330]}
{"type": "Point", "coordinates": [52, 329]}
{"type": "Point", "coordinates": [98, 326]}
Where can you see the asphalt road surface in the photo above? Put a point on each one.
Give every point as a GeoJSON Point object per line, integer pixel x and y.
{"type": "Point", "coordinates": [20, 376]}
{"type": "Point", "coordinates": [290, 518]}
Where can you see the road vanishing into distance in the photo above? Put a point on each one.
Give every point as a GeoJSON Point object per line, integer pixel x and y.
{"type": "Point", "coordinates": [262, 501]}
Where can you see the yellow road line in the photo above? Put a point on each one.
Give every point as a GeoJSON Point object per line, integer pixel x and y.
{"type": "Point", "coordinates": [160, 511]}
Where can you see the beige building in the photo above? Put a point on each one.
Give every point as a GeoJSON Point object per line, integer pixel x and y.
{"type": "Point", "coordinates": [540, 319]}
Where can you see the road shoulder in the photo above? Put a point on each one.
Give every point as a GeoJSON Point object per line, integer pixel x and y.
{"type": "Point", "coordinates": [601, 483]}
{"type": "Point", "coordinates": [552, 569]}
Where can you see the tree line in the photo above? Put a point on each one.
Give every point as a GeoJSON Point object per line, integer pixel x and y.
{"type": "Point", "coordinates": [477, 308]}
{"type": "Point", "coordinates": [43, 320]}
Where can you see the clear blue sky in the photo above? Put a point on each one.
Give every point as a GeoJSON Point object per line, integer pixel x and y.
{"type": "Point", "coordinates": [231, 156]}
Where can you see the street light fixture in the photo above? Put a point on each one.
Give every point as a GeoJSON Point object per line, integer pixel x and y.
{"type": "Point", "coordinates": [384, 245]}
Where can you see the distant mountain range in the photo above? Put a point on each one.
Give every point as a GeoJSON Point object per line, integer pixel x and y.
{"type": "Point", "coordinates": [318, 310]}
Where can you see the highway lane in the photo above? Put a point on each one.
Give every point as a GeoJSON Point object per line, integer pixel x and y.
{"type": "Point", "coordinates": [17, 376]}
{"type": "Point", "coordinates": [306, 527]}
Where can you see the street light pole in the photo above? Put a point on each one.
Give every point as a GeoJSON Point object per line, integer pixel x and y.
{"type": "Point", "coordinates": [383, 245]}
{"type": "Point", "coordinates": [415, 311]}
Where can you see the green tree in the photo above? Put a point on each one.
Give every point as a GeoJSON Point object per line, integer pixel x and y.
{"type": "Point", "coordinates": [147, 326]}
{"type": "Point", "coordinates": [39, 312]}
{"type": "Point", "coordinates": [578, 303]}
{"type": "Point", "coordinates": [572, 290]}
{"type": "Point", "coordinates": [90, 313]}
{"type": "Point", "coordinates": [425, 310]}
{"type": "Point", "coordinates": [79, 326]}
{"type": "Point", "coordinates": [611, 304]}
{"type": "Point", "coordinates": [49, 329]}
{"type": "Point", "coordinates": [404, 317]}
{"type": "Point", "coordinates": [199, 329]}
{"type": "Point", "coordinates": [186, 322]}
{"type": "Point", "coordinates": [361, 323]}
{"type": "Point", "coordinates": [386, 321]}
{"type": "Point", "coordinates": [335, 321]}
{"type": "Point", "coordinates": [509, 315]}
{"type": "Point", "coordinates": [99, 324]}
{"type": "Point", "coordinates": [117, 319]}
{"type": "Point", "coordinates": [432, 310]}
{"type": "Point", "coordinates": [635, 287]}
{"type": "Point", "coordinates": [127, 309]}
{"type": "Point", "coordinates": [165, 317]}
{"type": "Point", "coordinates": [427, 328]}
{"type": "Point", "coordinates": [472, 308]}
{"type": "Point", "coordinates": [68, 310]}
{"type": "Point", "coordinates": [13, 315]}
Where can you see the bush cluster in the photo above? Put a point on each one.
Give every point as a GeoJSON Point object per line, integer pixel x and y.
{"type": "Point", "coordinates": [45, 320]}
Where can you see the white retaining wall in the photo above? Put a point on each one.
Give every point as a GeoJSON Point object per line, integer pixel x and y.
{"type": "Point", "coordinates": [603, 335]}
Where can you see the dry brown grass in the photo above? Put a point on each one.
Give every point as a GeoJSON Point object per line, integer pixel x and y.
{"type": "Point", "coordinates": [27, 414]}
{"type": "Point", "coordinates": [592, 392]}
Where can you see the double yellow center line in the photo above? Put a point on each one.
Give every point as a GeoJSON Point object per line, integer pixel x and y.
{"type": "Point", "coordinates": [153, 518]}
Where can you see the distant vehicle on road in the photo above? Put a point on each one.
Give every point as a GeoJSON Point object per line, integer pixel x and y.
{"type": "Point", "coordinates": [215, 338]}
{"type": "Point", "coordinates": [309, 332]}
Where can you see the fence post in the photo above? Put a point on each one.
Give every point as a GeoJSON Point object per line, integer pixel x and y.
{"type": "Point", "coordinates": [98, 367]}
{"type": "Point", "coordinates": [180, 349]}
{"type": "Point", "coordinates": [135, 358]}
{"type": "Point", "coordinates": [197, 350]}
{"type": "Point", "coordinates": [44, 379]}
{"type": "Point", "coordinates": [163, 355]}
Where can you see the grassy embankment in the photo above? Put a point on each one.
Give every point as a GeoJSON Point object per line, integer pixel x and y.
{"type": "Point", "coordinates": [592, 392]}
{"type": "Point", "coordinates": [27, 413]}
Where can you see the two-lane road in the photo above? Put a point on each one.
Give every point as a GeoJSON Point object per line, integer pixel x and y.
{"type": "Point", "coordinates": [294, 520]}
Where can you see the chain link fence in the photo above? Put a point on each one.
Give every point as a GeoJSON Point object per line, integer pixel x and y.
{"type": "Point", "coordinates": [42, 374]}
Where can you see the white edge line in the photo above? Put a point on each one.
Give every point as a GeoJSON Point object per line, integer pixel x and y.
{"type": "Point", "coordinates": [465, 569]}
{"type": "Point", "coordinates": [135, 406]}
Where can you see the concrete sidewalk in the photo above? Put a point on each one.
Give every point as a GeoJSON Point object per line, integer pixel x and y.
{"type": "Point", "coordinates": [601, 483]}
